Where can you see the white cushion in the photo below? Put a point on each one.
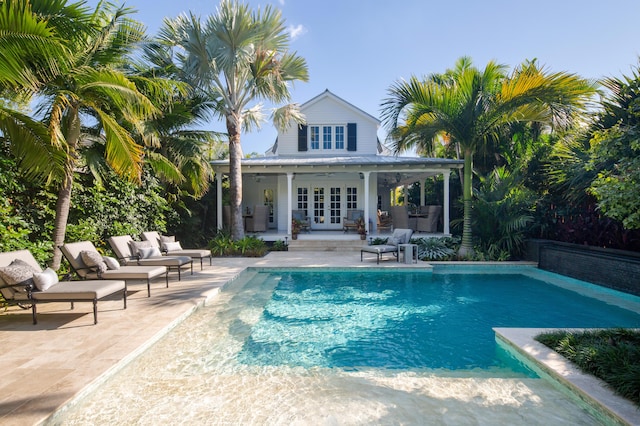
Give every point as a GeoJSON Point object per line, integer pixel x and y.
{"type": "Point", "coordinates": [111, 262]}
{"type": "Point", "coordinates": [147, 252]}
{"type": "Point", "coordinates": [45, 280]}
{"type": "Point", "coordinates": [172, 246]}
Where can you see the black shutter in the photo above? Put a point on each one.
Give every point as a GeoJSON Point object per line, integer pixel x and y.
{"type": "Point", "coordinates": [302, 138]}
{"type": "Point", "coordinates": [352, 137]}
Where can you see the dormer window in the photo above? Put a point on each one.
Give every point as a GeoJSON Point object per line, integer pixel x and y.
{"type": "Point", "coordinates": [332, 138]}
{"type": "Point", "coordinates": [327, 138]}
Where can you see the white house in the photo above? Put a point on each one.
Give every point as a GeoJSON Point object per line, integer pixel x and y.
{"type": "Point", "coordinates": [332, 164]}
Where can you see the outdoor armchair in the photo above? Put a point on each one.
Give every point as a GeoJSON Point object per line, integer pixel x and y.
{"type": "Point", "coordinates": [351, 220]}
{"type": "Point", "coordinates": [259, 220]}
{"type": "Point", "coordinates": [302, 218]}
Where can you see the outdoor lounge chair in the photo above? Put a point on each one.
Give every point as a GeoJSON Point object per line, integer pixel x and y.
{"type": "Point", "coordinates": [175, 249]}
{"type": "Point", "coordinates": [351, 220]}
{"type": "Point", "coordinates": [399, 236]}
{"type": "Point", "coordinates": [23, 289]}
{"type": "Point", "coordinates": [73, 252]}
{"type": "Point", "coordinates": [142, 253]}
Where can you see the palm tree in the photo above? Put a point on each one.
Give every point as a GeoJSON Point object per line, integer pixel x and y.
{"type": "Point", "coordinates": [90, 87]}
{"type": "Point", "coordinates": [237, 58]}
{"type": "Point", "coordinates": [472, 108]}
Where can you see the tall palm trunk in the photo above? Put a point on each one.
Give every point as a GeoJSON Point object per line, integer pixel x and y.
{"type": "Point", "coordinates": [466, 247]}
{"type": "Point", "coordinates": [63, 205]}
{"type": "Point", "coordinates": [235, 179]}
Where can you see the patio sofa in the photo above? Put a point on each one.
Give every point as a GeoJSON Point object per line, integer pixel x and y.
{"type": "Point", "coordinates": [78, 253]}
{"type": "Point", "coordinates": [23, 282]}
{"type": "Point", "coordinates": [399, 236]}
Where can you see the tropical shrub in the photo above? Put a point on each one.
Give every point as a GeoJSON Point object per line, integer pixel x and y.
{"type": "Point", "coordinates": [502, 213]}
{"type": "Point", "coordinates": [434, 248]}
{"type": "Point", "coordinates": [611, 355]}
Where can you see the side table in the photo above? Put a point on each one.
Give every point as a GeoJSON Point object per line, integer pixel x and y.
{"type": "Point", "coordinates": [409, 248]}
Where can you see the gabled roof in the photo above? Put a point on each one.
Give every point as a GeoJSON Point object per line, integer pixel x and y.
{"type": "Point", "coordinates": [328, 94]}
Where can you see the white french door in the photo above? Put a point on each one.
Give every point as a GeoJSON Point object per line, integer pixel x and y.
{"type": "Point", "coordinates": [326, 207]}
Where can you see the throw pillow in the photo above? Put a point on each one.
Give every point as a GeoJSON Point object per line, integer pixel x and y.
{"type": "Point", "coordinates": [173, 246]}
{"type": "Point", "coordinates": [147, 252]}
{"type": "Point", "coordinates": [17, 272]}
{"type": "Point", "coordinates": [392, 241]}
{"type": "Point", "coordinates": [167, 238]}
{"type": "Point", "coordinates": [111, 262]}
{"type": "Point", "coordinates": [135, 247]}
{"type": "Point", "coordinates": [45, 280]}
{"type": "Point", "coordinates": [93, 260]}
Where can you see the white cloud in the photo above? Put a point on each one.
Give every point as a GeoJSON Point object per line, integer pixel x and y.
{"type": "Point", "coordinates": [281, 2]}
{"type": "Point", "coordinates": [296, 31]}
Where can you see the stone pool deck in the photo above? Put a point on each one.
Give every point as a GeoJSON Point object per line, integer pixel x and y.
{"type": "Point", "coordinates": [64, 356]}
{"type": "Point", "coordinates": [44, 366]}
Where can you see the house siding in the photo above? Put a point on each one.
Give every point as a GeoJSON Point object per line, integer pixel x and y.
{"type": "Point", "coordinates": [330, 111]}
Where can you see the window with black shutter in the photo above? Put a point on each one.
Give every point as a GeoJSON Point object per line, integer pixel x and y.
{"type": "Point", "coordinates": [302, 138]}
{"type": "Point", "coordinates": [352, 137]}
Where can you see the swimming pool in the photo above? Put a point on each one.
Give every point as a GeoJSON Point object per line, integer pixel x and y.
{"type": "Point", "coordinates": [386, 347]}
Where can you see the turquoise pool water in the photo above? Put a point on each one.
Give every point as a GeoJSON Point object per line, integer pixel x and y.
{"type": "Point", "coordinates": [311, 347]}
{"type": "Point", "coordinates": [399, 320]}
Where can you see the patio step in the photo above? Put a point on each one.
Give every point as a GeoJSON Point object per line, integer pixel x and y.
{"type": "Point", "coordinates": [352, 245]}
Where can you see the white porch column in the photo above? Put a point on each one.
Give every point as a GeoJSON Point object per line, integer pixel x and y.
{"type": "Point", "coordinates": [405, 190]}
{"type": "Point", "coordinates": [445, 209]}
{"type": "Point", "coordinates": [289, 200]}
{"type": "Point", "coordinates": [219, 199]}
{"type": "Point", "coordinates": [366, 200]}
{"type": "Point", "coordinates": [422, 185]}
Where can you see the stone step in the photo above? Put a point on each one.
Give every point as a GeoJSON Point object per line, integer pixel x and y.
{"type": "Point", "coordinates": [352, 245]}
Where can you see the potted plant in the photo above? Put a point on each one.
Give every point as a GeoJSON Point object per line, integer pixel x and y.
{"type": "Point", "coordinates": [362, 230]}
{"type": "Point", "coordinates": [296, 225]}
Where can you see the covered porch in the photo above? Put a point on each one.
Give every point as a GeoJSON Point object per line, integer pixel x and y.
{"type": "Point", "coordinates": [326, 188]}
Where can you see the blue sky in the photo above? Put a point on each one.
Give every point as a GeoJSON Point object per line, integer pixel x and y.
{"type": "Point", "coordinates": [358, 49]}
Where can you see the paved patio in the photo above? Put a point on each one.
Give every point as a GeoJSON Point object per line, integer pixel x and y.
{"type": "Point", "coordinates": [47, 364]}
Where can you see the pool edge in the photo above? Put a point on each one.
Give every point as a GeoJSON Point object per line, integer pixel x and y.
{"type": "Point", "coordinates": [553, 366]}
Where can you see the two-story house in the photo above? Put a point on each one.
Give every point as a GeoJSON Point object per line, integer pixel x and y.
{"type": "Point", "coordinates": [332, 164]}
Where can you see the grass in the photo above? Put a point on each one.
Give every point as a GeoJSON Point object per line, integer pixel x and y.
{"type": "Point", "coordinates": [612, 355]}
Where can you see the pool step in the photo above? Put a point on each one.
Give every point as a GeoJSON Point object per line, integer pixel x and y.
{"type": "Point", "coordinates": [351, 245]}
